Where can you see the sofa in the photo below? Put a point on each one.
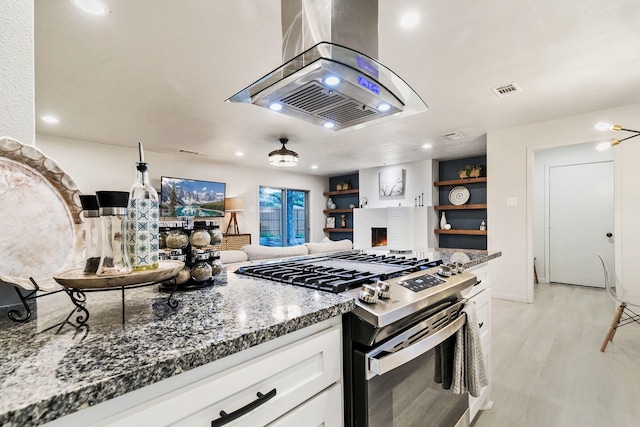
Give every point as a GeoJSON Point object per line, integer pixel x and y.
{"type": "Point", "coordinates": [257, 252]}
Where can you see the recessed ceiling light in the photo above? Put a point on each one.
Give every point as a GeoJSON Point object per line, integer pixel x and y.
{"type": "Point", "coordinates": [409, 19]}
{"type": "Point", "coordinates": [427, 146]}
{"type": "Point", "coordinates": [50, 119]}
{"type": "Point", "coordinates": [275, 106]}
{"type": "Point", "coordinates": [603, 146]}
{"type": "Point", "coordinates": [94, 7]}
{"type": "Point", "coordinates": [314, 166]}
{"type": "Point", "coordinates": [239, 153]}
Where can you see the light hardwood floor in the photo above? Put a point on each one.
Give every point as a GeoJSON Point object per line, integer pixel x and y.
{"type": "Point", "coordinates": [547, 366]}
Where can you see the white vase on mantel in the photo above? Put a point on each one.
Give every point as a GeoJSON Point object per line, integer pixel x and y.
{"type": "Point", "coordinates": [443, 221]}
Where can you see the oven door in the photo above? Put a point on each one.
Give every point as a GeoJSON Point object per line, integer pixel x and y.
{"type": "Point", "coordinates": [394, 383]}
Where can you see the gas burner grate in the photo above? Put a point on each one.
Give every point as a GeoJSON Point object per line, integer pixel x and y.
{"type": "Point", "coordinates": [339, 272]}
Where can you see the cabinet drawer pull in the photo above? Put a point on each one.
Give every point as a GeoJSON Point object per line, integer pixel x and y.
{"type": "Point", "coordinates": [480, 324]}
{"type": "Point", "coordinates": [227, 418]}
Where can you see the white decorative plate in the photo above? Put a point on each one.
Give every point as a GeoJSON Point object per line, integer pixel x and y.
{"type": "Point", "coordinates": [459, 195]}
{"type": "Point", "coordinates": [40, 220]}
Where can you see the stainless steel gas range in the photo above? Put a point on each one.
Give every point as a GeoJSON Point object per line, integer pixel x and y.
{"type": "Point", "coordinates": [407, 310]}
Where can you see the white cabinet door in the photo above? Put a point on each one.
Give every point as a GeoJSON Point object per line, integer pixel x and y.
{"type": "Point", "coordinates": [483, 311]}
{"type": "Point", "coordinates": [323, 410]}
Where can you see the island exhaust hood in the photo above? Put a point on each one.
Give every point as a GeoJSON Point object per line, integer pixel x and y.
{"type": "Point", "coordinates": [322, 80]}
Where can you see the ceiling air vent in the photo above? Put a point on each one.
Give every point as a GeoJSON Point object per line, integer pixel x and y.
{"type": "Point", "coordinates": [195, 153]}
{"type": "Point", "coordinates": [453, 135]}
{"type": "Point", "coordinates": [505, 90]}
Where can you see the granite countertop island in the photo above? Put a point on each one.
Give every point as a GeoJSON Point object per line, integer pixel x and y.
{"type": "Point", "coordinates": [51, 366]}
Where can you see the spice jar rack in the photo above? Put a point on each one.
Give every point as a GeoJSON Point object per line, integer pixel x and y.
{"type": "Point", "coordinates": [196, 243]}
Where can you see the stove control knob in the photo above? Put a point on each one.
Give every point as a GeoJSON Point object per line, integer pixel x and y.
{"type": "Point", "coordinates": [384, 290]}
{"type": "Point", "coordinates": [368, 294]}
{"type": "Point", "coordinates": [444, 271]}
{"type": "Point", "coordinates": [453, 266]}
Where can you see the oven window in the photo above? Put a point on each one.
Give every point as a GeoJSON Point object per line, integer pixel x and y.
{"type": "Point", "coordinates": [409, 396]}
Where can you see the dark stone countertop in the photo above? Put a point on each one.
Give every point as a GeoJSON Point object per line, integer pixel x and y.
{"type": "Point", "coordinates": [50, 367]}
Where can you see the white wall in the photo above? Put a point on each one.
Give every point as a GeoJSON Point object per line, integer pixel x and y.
{"type": "Point", "coordinates": [419, 179]}
{"type": "Point", "coordinates": [510, 154]}
{"type": "Point", "coordinates": [105, 167]}
{"type": "Point", "coordinates": [17, 81]}
{"type": "Point", "coordinates": [543, 160]}
{"type": "Point", "coordinates": [17, 84]}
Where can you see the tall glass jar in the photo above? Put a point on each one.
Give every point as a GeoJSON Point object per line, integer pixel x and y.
{"type": "Point", "coordinates": [114, 260]}
{"type": "Point", "coordinates": [142, 221]}
{"type": "Point", "coordinates": [92, 232]}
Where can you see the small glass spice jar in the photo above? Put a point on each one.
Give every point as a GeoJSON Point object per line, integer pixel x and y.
{"type": "Point", "coordinates": [176, 238]}
{"type": "Point", "coordinates": [201, 271]}
{"type": "Point", "coordinates": [215, 233]}
{"type": "Point", "coordinates": [163, 230]}
{"type": "Point", "coordinates": [216, 267]}
{"type": "Point", "coordinates": [200, 237]}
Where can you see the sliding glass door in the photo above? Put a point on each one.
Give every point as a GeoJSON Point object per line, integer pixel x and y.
{"type": "Point", "coordinates": [283, 216]}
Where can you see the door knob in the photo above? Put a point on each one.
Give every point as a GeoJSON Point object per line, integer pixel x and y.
{"type": "Point", "coordinates": [609, 235]}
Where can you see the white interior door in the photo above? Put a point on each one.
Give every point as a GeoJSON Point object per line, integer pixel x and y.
{"type": "Point", "coordinates": [580, 217]}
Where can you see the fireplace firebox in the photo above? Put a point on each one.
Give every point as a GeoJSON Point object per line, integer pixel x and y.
{"type": "Point", "coordinates": [378, 236]}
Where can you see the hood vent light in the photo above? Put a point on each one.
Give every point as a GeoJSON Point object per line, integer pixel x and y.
{"type": "Point", "coordinates": [453, 135]}
{"type": "Point", "coordinates": [329, 81]}
{"type": "Point", "coordinates": [505, 90]}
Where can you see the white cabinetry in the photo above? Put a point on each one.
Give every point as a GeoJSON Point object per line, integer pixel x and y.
{"type": "Point", "coordinates": [305, 374]}
{"type": "Point", "coordinates": [481, 295]}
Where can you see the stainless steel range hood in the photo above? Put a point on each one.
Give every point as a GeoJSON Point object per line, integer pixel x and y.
{"type": "Point", "coordinates": [322, 80]}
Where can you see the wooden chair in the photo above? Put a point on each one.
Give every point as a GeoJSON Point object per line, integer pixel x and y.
{"type": "Point", "coordinates": [624, 315]}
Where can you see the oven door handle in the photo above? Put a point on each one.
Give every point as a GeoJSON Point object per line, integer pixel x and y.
{"type": "Point", "coordinates": [384, 364]}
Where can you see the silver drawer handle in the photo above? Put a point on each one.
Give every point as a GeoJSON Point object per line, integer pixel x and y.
{"type": "Point", "coordinates": [382, 365]}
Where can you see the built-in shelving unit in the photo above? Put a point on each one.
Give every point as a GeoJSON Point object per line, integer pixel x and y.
{"type": "Point", "coordinates": [465, 219]}
{"type": "Point", "coordinates": [343, 200]}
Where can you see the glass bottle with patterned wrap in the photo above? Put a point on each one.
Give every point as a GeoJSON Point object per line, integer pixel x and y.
{"type": "Point", "coordinates": [142, 220]}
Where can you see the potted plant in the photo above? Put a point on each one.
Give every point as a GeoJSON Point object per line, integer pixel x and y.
{"type": "Point", "coordinates": [471, 171]}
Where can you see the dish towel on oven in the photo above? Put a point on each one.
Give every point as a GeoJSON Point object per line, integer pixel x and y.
{"type": "Point", "coordinates": [469, 371]}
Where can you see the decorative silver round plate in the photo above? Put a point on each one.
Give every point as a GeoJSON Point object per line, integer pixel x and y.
{"type": "Point", "coordinates": [459, 195]}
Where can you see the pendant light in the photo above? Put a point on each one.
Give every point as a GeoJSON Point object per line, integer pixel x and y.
{"type": "Point", "coordinates": [283, 157]}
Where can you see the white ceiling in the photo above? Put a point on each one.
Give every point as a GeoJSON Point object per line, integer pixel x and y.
{"type": "Point", "coordinates": [158, 71]}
